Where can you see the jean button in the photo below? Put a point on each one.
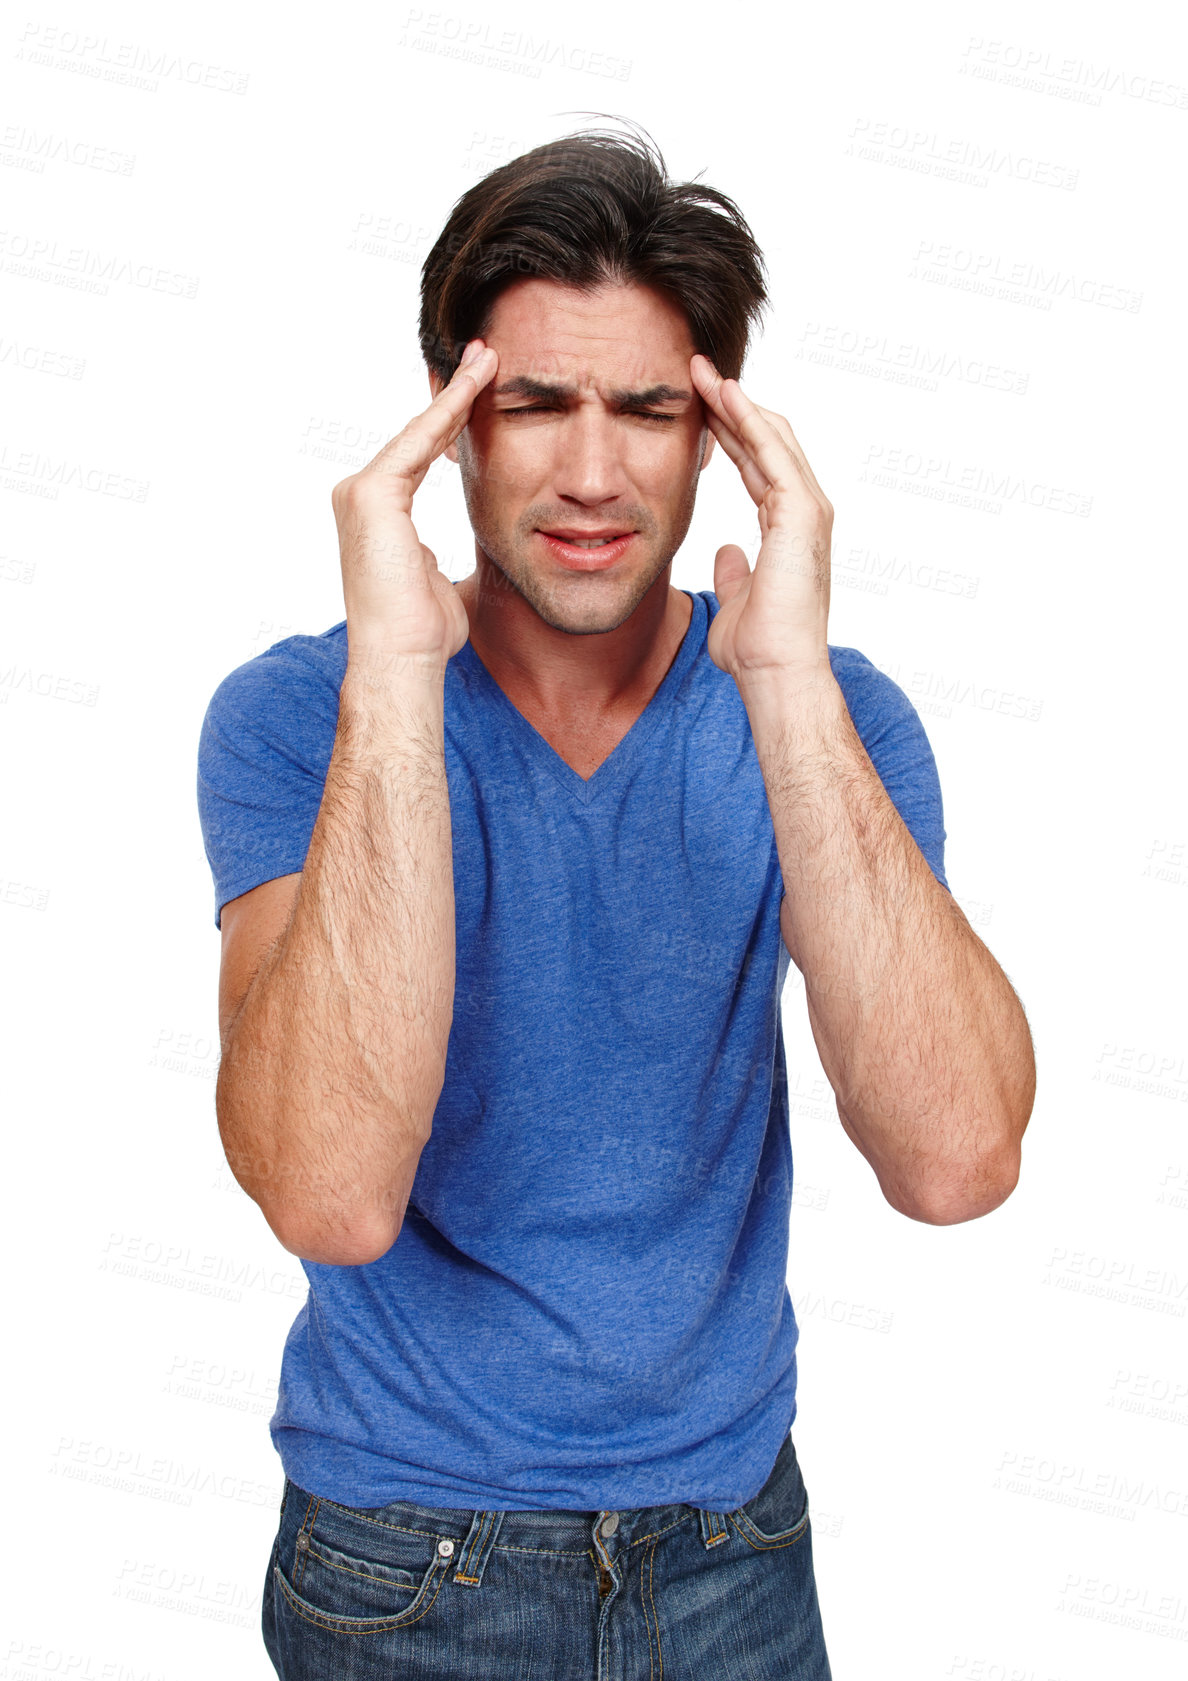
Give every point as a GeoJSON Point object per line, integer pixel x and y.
{"type": "Point", "coordinates": [609, 1524]}
{"type": "Point", "coordinates": [446, 1549]}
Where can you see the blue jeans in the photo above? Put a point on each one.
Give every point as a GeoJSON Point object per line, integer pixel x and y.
{"type": "Point", "coordinates": [438, 1593]}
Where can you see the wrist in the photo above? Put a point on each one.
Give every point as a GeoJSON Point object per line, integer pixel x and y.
{"type": "Point", "coordinates": [801, 681]}
{"type": "Point", "coordinates": [374, 667]}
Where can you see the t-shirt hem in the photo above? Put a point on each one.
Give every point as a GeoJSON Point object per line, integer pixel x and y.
{"type": "Point", "coordinates": [306, 1469]}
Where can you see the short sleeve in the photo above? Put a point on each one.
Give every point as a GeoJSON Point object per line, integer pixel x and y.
{"type": "Point", "coordinates": [263, 753]}
{"type": "Point", "coordinates": [890, 729]}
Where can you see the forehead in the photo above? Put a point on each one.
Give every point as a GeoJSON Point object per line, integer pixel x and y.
{"type": "Point", "coordinates": [627, 334]}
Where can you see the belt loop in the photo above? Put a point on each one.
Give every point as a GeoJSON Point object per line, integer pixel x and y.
{"type": "Point", "coordinates": [713, 1527]}
{"type": "Point", "coordinates": [478, 1543]}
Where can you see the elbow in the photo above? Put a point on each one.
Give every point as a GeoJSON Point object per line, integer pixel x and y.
{"type": "Point", "coordinates": [306, 1225]}
{"type": "Point", "coordinates": [949, 1202]}
{"type": "Point", "coordinates": [357, 1254]}
{"type": "Point", "coordinates": [337, 1232]}
{"type": "Point", "coordinates": [358, 1247]}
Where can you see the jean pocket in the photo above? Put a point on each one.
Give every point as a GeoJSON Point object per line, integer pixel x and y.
{"type": "Point", "coordinates": [778, 1515]}
{"type": "Point", "coordinates": [356, 1575]}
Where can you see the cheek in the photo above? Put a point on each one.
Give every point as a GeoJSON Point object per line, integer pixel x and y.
{"type": "Point", "coordinates": [666, 469]}
{"type": "Point", "coordinates": [505, 466]}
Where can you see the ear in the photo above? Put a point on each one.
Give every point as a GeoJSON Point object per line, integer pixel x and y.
{"type": "Point", "coordinates": [437, 385]}
{"type": "Point", "coordinates": [707, 449]}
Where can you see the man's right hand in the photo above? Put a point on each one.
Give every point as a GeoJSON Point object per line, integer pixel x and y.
{"type": "Point", "coordinates": [399, 607]}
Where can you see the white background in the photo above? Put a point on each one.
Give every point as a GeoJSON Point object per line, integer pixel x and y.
{"type": "Point", "coordinates": [972, 220]}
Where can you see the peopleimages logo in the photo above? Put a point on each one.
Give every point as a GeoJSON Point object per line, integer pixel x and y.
{"type": "Point", "coordinates": [1063, 75]}
{"type": "Point", "coordinates": [1109, 1493]}
{"type": "Point", "coordinates": [936, 693]}
{"type": "Point", "coordinates": [34, 359]}
{"type": "Point", "coordinates": [1117, 1279]}
{"type": "Point", "coordinates": [966, 162]}
{"type": "Point", "coordinates": [1134, 1605]}
{"type": "Point", "coordinates": [57, 471]}
{"type": "Point", "coordinates": [51, 686]}
{"type": "Point", "coordinates": [475, 41]}
{"type": "Point", "coordinates": [126, 62]}
{"type": "Point", "coordinates": [967, 483]}
{"type": "Point", "coordinates": [852, 350]}
{"type": "Point", "coordinates": [30, 149]}
{"type": "Point", "coordinates": [1015, 280]}
{"type": "Point", "coordinates": [79, 269]}
{"type": "Point", "coordinates": [874, 572]}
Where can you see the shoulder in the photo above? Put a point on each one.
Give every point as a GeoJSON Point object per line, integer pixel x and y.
{"type": "Point", "coordinates": [296, 679]}
{"type": "Point", "coordinates": [264, 748]}
{"type": "Point", "coordinates": [882, 712]}
{"type": "Point", "coordinates": [272, 721]}
{"type": "Point", "coordinates": [866, 685]}
{"type": "Point", "coordinates": [875, 700]}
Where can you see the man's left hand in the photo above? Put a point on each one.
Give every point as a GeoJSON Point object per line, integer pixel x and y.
{"type": "Point", "coordinates": [774, 619]}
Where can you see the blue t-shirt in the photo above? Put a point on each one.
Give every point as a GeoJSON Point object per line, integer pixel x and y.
{"type": "Point", "coordinates": [587, 1304]}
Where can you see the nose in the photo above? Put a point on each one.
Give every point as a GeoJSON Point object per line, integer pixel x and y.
{"type": "Point", "coordinates": [589, 467]}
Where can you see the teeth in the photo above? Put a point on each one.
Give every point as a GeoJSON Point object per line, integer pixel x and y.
{"type": "Point", "coordinates": [589, 542]}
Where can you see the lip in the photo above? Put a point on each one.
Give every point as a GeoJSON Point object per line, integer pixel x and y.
{"type": "Point", "coordinates": [586, 560]}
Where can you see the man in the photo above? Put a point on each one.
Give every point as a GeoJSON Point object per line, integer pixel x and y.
{"type": "Point", "coordinates": [509, 874]}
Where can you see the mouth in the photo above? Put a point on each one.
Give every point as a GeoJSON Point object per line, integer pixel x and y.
{"type": "Point", "coordinates": [587, 551]}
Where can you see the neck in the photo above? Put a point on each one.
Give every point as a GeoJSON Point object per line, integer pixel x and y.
{"type": "Point", "coordinates": [571, 674]}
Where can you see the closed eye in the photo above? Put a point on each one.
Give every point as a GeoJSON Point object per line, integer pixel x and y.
{"type": "Point", "coordinates": [543, 408]}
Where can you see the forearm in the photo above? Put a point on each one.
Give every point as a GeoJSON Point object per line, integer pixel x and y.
{"type": "Point", "coordinates": [333, 1067]}
{"type": "Point", "coordinates": [919, 1031]}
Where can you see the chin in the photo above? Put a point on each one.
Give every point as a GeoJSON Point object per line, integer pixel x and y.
{"type": "Point", "coordinates": [590, 606]}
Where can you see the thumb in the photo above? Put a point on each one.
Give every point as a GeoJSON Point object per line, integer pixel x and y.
{"type": "Point", "coordinates": [730, 572]}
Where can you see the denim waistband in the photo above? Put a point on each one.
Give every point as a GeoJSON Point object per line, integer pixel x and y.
{"type": "Point", "coordinates": [472, 1534]}
{"type": "Point", "coordinates": [465, 1539]}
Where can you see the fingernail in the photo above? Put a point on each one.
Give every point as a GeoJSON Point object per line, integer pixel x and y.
{"type": "Point", "coordinates": [473, 349]}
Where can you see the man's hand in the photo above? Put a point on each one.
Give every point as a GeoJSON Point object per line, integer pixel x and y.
{"type": "Point", "coordinates": [919, 1031]}
{"type": "Point", "coordinates": [401, 611]}
{"type": "Point", "coordinates": [775, 618]}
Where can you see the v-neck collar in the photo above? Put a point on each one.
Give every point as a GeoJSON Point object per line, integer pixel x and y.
{"type": "Point", "coordinates": [614, 767]}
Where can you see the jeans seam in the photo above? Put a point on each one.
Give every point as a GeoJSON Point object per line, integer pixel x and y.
{"type": "Point", "coordinates": [365, 1575]}
{"type": "Point", "coordinates": [475, 1545]}
{"type": "Point", "coordinates": [640, 1539]}
{"type": "Point", "coordinates": [363, 1516]}
{"type": "Point", "coordinates": [377, 1625]}
{"type": "Point", "coordinates": [311, 1512]}
{"type": "Point", "coordinates": [545, 1552]}
{"type": "Point", "coordinates": [767, 1543]}
{"type": "Point", "coordinates": [654, 1621]}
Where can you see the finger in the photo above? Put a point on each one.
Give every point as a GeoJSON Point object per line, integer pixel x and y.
{"type": "Point", "coordinates": [720, 424]}
{"type": "Point", "coordinates": [412, 451]}
{"type": "Point", "coordinates": [777, 424]}
{"type": "Point", "coordinates": [768, 449]}
{"type": "Point", "coordinates": [756, 482]}
{"type": "Point", "coordinates": [712, 389]}
{"type": "Point", "coordinates": [708, 381]}
{"type": "Point", "coordinates": [772, 447]}
{"type": "Point", "coordinates": [785, 431]}
{"type": "Point", "coordinates": [771, 459]}
{"type": "Point", "coordinates": [449, 412]}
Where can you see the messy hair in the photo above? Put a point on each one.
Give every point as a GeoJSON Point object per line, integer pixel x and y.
{"type": "Point", "coordinates": [589, 209]}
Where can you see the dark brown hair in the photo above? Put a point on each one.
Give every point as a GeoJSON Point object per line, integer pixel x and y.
{"type": "Point", "coordinates": [584, 210]}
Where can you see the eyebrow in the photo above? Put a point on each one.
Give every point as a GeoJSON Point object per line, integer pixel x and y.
{"type": "Point", "coordinates": [522, 386]}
